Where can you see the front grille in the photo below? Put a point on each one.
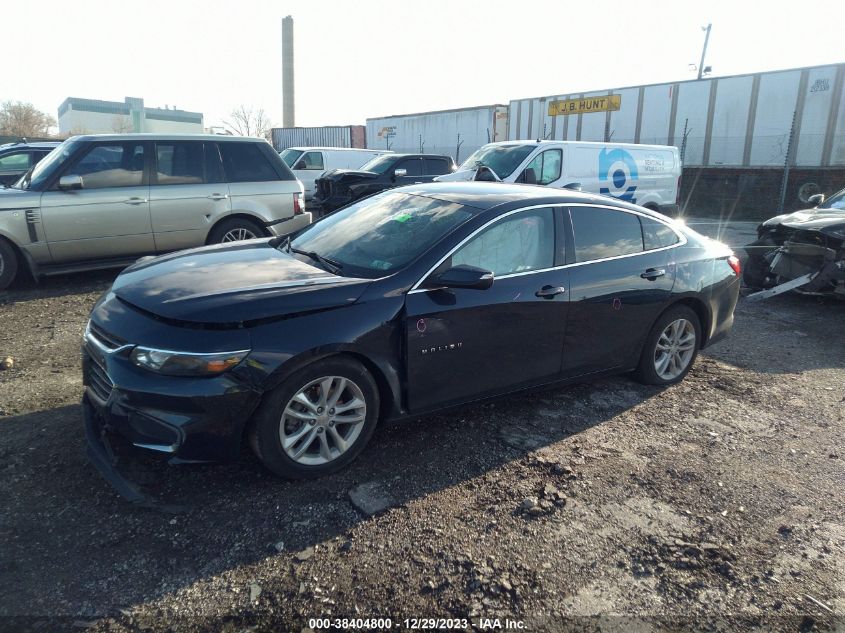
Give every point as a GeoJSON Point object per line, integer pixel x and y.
{"type": "Point", "coordinates": [108, 340]}
{"type": "Point", "coordinates": [98, 381]}
{"type": "Point", "coordinates": [324, 188]}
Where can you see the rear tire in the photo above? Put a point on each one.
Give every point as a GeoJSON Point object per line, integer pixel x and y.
{"type": "Point", "coordinates": [235, 230]}
{"type": "Point", "coordinates": [318, 420]}
{"type": "Point", "coordinates": [8, 264]}
{"type": "Point", "coordinates": [670, 348]}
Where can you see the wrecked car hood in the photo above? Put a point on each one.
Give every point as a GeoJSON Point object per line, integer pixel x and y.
{"type": "Point", "coordinates": [232, 284]}
{"type": "Point", "coordinates": [348, 174]}
{"type": "Point", "coordinates": [457, 176]}
{"type": "Point", "coordinates": [808, 219]}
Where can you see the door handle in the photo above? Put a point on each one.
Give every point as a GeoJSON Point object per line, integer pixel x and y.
{"type": "Point", "coordinates": [653, 273]}
{"type": "Point", "coordinates": [135, 201]}
{"type": "Point", "coordinates": [548, 292]}
{"type": "Point", "coordinates": [218, 196]}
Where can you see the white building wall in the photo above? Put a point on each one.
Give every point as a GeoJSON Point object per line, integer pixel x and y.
{"type": "Point", "coordinates": [776, 101]}
{"type": "Point", "coordinates": [82, 122]}
{"type": "Point", "coordinates": [730, 121]}
{"type": "Point", "coordinates": [818, 98]}
{"type": "Point", "coordinates": [172, 127]}
{"type": "Point", "coordinates": [657, 110]}
{"type": "Point", "coordinates": [623, 122]}
{"type": "Point", "coordinates": [693, 100]}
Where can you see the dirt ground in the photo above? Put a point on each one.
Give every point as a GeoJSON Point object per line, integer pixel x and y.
{"type": "Point", "coordinates": [716, 504]}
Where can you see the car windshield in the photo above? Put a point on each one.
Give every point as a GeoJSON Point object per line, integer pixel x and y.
{"type": "Point", "coordinates": [381, 234]}
{"type": "Point", "coordinates": [502, 159]}
{"type": "Point", "coordinates": [836, 201]}
{"type": "Point", "coordinates": [290, 156]}
{"type": "Point", "coordinates": [379, 164]}
{"type": "Point", "coordinates": [46, 166]}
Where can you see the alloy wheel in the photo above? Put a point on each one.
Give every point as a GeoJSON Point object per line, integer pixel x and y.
{"type": "Point", "coordinates": [238, 234]}
{"type": "Point", "coordinates": [322, 420]}
{"type": "Point", "coordinates": [675, 349]}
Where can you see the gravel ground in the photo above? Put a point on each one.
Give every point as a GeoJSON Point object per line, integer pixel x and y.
{"type": "Point", "coordinates": [715, 504]}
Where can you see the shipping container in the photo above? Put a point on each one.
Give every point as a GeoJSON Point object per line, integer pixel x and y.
{"type": "Point", "coordinates": [325, 136]}
{"type": "Point", "coordinates": [736, 121]}
{"type": "Point", "coordinates": [456, 133]}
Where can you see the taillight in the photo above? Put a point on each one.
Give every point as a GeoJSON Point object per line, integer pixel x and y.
{"type": "Point", "coordinates": [733, 262]}
{"type": "Point", "coordinates": [678, 192]}
{"type": "Point", "coordinates": [298, 204]}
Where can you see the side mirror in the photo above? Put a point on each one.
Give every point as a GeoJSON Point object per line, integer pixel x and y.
{"type": "Point", "coordinates": [463, 276]}
{"type": "Point", "coordinates": [816, 200]}
{"type": "Point", "coordinates": [70, 183]}
{"type": "Point", "coordinates": [529, 177]}
{"type": "Point", "coordinates": [399, 173]}
{"type": "Point", "coordinates": [575, 186]}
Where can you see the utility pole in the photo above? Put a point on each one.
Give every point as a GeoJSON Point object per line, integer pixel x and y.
{"type": "Point", "coordinates": [704, 50]}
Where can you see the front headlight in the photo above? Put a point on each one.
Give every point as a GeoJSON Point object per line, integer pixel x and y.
{"type": "Point", "coordinates": [185, 363]}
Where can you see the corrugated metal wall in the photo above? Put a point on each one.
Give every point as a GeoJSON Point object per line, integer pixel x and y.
{"type": "Point", "coordinates": [327, 136]}
{"type": "Point", "coordinates": [437, 132]}
{"type": "Point", "coordinates": [738, 121]}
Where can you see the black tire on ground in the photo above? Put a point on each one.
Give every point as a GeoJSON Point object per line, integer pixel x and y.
{"type": "Point", "coordinates": [8, 264]}
{"type": "Point", "coordinates": [646, 371]}
{"type": "Point", "coordinates": [235, 224]}
{"type": "Point", "coordinates": [264, 434]}
{"type": "Point", "coordinates": [754, 272]}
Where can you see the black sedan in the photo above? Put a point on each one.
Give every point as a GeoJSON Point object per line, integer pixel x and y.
{"type": "Point", "coordinates": [410, 301]}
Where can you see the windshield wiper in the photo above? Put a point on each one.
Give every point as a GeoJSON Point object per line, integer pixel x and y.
{"type": "Point", "coordinates": [329, 264]}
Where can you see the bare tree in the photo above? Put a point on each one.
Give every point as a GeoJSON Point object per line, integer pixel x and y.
{"type": "Point", "coordinates": [248, 121]}
{"type": "Point", "coordinates": [24, 119]}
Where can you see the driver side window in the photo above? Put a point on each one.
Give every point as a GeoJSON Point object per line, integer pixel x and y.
{"type": "Point", "coordinates": [546, 166]}
{"type": "Point", "coordinates": [521, 242]}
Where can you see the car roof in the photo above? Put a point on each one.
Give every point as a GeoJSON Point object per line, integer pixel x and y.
{"type": "Point", "coordinates": [151, 136]}
{"type": "Point", "coordinates": [486, 195]}
{"type": "Point", "coordinates": [35, 144]}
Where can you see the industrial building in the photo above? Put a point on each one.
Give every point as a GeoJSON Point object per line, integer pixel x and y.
{"type": "Point", "coordinates": [92, 116]}
{"type": "Point", "coordinates": [741, 137]}
{"type": "Point", "coordinates": [457, 133]}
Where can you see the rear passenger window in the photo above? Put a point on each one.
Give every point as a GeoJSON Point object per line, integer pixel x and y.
{"type": "Point", "coordinates": [656, 234]}
{"type": "Point", "coordinates": [436, 166]}
{"type": "Point", "coordinates": [601, 233]}
{"type": "Point", "coordinates": [244, 162]}
{"type": "Point", "coordinates": [179, 163]}
{"type": "Point", "coordinates": [412, 165]}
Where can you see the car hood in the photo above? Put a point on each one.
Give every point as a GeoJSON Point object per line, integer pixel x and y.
{"type": "Point", "coordinates": [457, 176]}
{"type": "Point", "coordinates": [13, 198]}
{"type": "Point", "coordinates": [808, 219]}
{"type": "Point", "coordinates": [233, 284]}
{"type": "Point", "coordinates": [348, 174]}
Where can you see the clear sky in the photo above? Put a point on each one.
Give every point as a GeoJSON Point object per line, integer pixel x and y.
{"type": "Point", "coordinates": [367, 58]}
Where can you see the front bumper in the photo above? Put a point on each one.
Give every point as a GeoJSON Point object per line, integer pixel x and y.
{"type": "Point", "coordinates": [333, 202]}
{"type": "Point", "coordinates": [186, 419]}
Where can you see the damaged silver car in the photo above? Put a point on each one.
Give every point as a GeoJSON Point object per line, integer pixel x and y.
{"type": "Point", "coordinates": [802, 251]}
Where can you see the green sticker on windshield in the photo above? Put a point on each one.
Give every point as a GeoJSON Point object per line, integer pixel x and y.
{"type": "Point", "coordinates": [402, 217]}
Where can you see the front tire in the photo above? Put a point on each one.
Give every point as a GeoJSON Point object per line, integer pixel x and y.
{"type": "Point", "coordinates": [670, 348]}
{"type": "Point", "coordinates": [318, 420]}
{"type": "Point", "coordinates": [8, 264]}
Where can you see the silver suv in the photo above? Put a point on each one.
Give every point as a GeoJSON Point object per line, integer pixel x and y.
{"type": "Point", "coordinates": [103, 201]}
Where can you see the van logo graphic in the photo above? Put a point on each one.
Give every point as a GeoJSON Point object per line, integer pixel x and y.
{"type": "Point", "coordinates": [617, 169]}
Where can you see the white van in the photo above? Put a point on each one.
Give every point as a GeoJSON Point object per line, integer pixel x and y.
{"type": "Point", "coordinates": [647, 175]}
{"type": "Point", "coordinates": [309, 163]}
